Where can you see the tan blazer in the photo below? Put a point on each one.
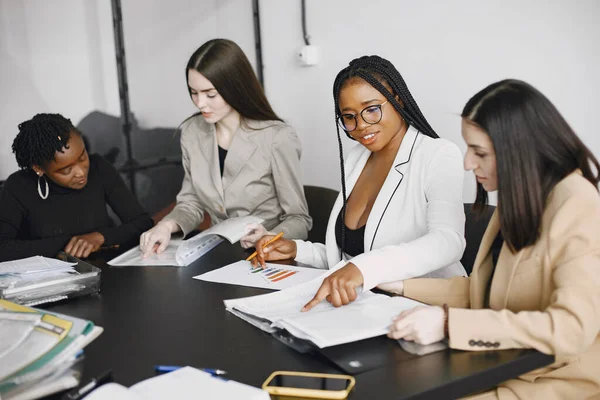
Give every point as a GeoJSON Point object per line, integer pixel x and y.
{"type": "Point", "coordinates": [261, 177]}
{"type": "Point", "coordinates": [546, 297]}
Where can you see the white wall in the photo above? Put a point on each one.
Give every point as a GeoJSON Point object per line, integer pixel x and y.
{"type": "Point", "coordinates": [446, 51]}
{"type": "Point", "coordinates": [58, 56]}
{"type": "Point", "coordinates": [49, 63]}
{"type": "Point", "coordinates": [160, 37]}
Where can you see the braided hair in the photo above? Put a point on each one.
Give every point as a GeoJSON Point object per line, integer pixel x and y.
{"type": "Point", "coordinates": [383, 76]}
{"type": "Point", "coordinates": [40, 138]}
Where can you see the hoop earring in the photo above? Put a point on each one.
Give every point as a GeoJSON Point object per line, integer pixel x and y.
{"type": "Point", "coordinates": [44, 197]}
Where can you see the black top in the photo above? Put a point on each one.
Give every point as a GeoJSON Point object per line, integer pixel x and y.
{"type": "Point", "coordinates": [222, 155]}
{"type": "Point", "coordinates": [496, 248]}
{"type": "Point", "coordinates": [354, 238]}
{"type": "Point", "coordinates": [32, 226]}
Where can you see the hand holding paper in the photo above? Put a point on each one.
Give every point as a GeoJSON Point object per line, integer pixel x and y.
{"type": "Point", "coordinates": [157, 238]}
{"type": "Point", "coordinates": [422, 325]}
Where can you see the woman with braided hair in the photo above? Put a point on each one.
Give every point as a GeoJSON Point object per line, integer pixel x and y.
{"type": "Point", "coordinates": [57, 201]}
{"type": "Point", "coordinates": [400, 213]}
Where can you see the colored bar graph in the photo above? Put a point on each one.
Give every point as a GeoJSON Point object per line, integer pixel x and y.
{"type": "Point", "coordinates": [272, 274]}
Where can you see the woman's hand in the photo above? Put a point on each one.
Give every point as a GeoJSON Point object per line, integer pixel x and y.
{"type": "Point", "coordinates": [157, 238]}
{"type": "Point", "coordinates": [281, 249]}
{"type": "Point", "coordinates": [253, 233]}
{"type": "Point", "coordinates": [422, 325]}
{"type": "Point", "coordinates": [81, 246]}
{"type": "Point", "coordinates": [338, 288]}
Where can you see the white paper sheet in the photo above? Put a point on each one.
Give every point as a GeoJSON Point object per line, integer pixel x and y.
{"type": "Point", "coordinates": [32, 270]}
{"type": "Point", "coordinates": [134, 256]}
{"type": "Point", "coordinates": [35, 264]}
{"type": "Point", "coordinates": [184, 383]}
{"type": "Point", "coordinates": [184, 252]}
{"type": "Point", "coordinates": [275, 276]}
{"type": "Point", "coordinates": [368, 316]}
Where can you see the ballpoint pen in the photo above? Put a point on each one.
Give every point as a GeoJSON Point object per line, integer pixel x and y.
{"type": "Point", "coordinates": [280, 234]}
{"type": "Point", "coordinates": [161, 369]}
{"type": "Point", "coordinates": [77, 394]}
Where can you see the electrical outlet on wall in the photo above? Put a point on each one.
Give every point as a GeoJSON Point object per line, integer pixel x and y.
{"type": "Point", "coordinates": [309, 55]}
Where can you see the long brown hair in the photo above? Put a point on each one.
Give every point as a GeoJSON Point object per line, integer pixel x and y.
{"type": "Point", "coordinates": [535, 149]}
{"type": "Point", "coordinates": [225, 65]}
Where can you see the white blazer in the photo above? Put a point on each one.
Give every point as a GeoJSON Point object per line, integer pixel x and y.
{"type": "Point", "coordinates": [416, 226]}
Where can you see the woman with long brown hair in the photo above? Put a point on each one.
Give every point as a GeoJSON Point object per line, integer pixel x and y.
{"type": "Point", "coordinates": [239, 157]}
{"type": "Point", "coordinates": [536, 279]}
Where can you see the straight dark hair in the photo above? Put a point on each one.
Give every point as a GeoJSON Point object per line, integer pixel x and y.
{"type": "Point", "coordinates": [225, 65]}
{"type": "Point", "coordinates": [535, 149]}
{"type": "Point", "coordinates": [383, 76]}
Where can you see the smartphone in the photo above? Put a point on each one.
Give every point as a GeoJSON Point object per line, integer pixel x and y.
{"type": "Point", "coordinates": [309, 384]}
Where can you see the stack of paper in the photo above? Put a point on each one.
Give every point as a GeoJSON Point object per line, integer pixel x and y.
{"type": "Point", "coordinates": [36, 280]}
{"type": "Point", "coordinates": [184, 383]}
{"type": "Point", "coordinates": [368, 316]}
{"type": "Point", "coordinates": [33, 270]}
{"type": "Point", "coordinates": [39, 350]}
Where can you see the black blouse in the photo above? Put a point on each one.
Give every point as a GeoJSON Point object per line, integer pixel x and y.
{"type": "Point", "coordinates": [496, 248]}
{"type": "Point", "coordinates": [222, 155]}
{"type": "Point", "coordinates": [354, 238]}
{"type": "Point", "coordinates": [30, 225]}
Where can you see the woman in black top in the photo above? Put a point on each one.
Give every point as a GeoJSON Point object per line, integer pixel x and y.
{"type": "Point", "coordinates": [57, 201]}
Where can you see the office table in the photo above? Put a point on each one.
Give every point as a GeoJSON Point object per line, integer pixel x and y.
{"type": "Point", "coordinates": [160, 315]}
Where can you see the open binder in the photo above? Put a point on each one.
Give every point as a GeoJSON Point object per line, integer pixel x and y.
{"type": "Point", "coordinates": [182, 253]}
{"type": "Point", "coordinates": [326, 329]}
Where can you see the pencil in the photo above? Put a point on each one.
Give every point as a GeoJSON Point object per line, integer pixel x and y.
{"type": "Point", "coordinates": [280, 234]}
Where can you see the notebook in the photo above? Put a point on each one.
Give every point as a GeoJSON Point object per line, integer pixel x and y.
{"type": "Point", "coordinates": [184, 252]}
{"type": "Point", "coordinates": [368, 316]}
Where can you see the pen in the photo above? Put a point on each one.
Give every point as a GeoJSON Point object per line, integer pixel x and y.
{"type": "Point", "coordinates": [114, 246]}
{"type": "Point", "coordinates": [280, 234]}
{"type": "Point", "coordinates": [77, 394]}
{"type": "Point", "coordinates": [161, 369]}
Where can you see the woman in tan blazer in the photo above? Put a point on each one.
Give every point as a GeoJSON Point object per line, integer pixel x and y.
{"type": "Point", "coordinates": [238, 156]}
{"type": "Point", "coordinates": [536, 279]}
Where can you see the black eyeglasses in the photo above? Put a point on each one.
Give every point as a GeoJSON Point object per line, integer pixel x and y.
{"type": "Point", "coordinates": [371, 115]}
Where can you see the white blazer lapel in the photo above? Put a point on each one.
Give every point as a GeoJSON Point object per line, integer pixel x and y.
{"type": "Point", "coordinates": [352, 172]}
{"type": "Point", "coordinates": [390, 185]}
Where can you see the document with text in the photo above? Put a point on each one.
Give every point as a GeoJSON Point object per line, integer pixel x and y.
{"type": "Point", "coordinates": [368, 316]}
{"type": "Point", "coordinates": [184, 252]}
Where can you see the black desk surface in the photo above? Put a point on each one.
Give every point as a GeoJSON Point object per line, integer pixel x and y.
{"type": "Point", "coordinates": [161, 316]}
